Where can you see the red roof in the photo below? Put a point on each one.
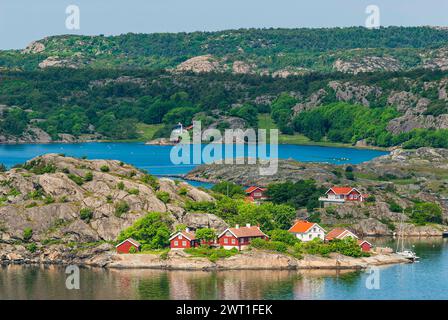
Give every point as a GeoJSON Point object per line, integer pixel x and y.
{"type": "Point", "coordinates": [253, 188]}
{"type": "Point", "coordinates": [189, 235]}
{"type": "Point", "coordinates": [337, 233]}
{"type": "Point", "coordinates": [361, 242]}
{"type": "Point", "coordinates": [134, 242]}
{"type": "Point", "coordinates": [245, 232]}
{"type": "Point", "coordinates": [341, 190]}
{"type": "Point", "coordinates": [301, 226]}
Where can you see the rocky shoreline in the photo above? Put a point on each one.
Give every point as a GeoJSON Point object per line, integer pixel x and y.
{"type": "Point", "coordinates": [179, 260]}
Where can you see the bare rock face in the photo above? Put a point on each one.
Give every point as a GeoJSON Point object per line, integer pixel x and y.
{"type": "Point", "coordinates": [241, 67]}
{"type": "Point", "coordinates": [55, 61]}
{"type": "Point", "coordinates": [204, 220]}
{"type": "Point", "coordinates": [367, 64]}
{"type": "Point", "coordinates": [34, 47]}
{"type": "Point", "coordinates": [358, 94]}
{"type": "Point", "coordinates": [48, 193]}
{"type": "Point", "coordinates": [199, 64]}
{"type": "Point", "coordinates": [436, 59]}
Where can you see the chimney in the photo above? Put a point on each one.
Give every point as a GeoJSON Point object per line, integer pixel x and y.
{"type": "Point", "coordinates": [248, 225]}
{"type": "Point", "coordinates": [237, 226]}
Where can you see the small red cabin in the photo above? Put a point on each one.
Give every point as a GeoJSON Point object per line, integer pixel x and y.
{"type": "Point", "coordinates": [255, 193]}
{"type": "Point", "coordinates": [126, 245]}
{"type": "Point", "coordinates": [365, 245]}
{"type": "Point", "coordinates": [240, 237]}
{"type": "Point", "coordinates": [183, 240]}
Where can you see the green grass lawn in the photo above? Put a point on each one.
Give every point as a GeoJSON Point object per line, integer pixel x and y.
{"type": "Point", "coordinates": [146, 131]}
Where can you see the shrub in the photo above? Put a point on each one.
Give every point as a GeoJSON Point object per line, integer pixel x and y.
{"type": "Point", "coordinates": [228, 188]}
{"type": "Point", "coordinates": [183, 191]}
{"type": "Point", "coordinates": [76, 179]}
{"type": "Point", "coordinates": [88, 176]}
{"type": "Point", "coordinates": [151, 180]}
{"type": "Point", "coordinates": [134, 191]}
{"type": "Point", "coordinates": [104, 168]}
{"type": "Point", "coordinates": [205, 234]}
{"type": "Point", "coordinates": [283, 236]}
{"type": "Point", "coordinates": [32, 247]}
{"type": "Point", "coordinates": [163, 196]}
{"type": "Point", "coordinates": [393, 206]}
{"type": "Point", "coordinates": [199, 206]}
{"type": "Point", "coordinates": [2, 167]}
{"type": "Point", "coordinates": [269, 245]}
{"type": "Point", "coordinates": [426, 212]}
{"type": "Point", "coordinates": [133, 250]}
{"type": "Point", "coordinates": [27, 234]}
{"type": "Point", "coordinates": [152, 231]}
{"type": "Point", "coordinates": [120, 185]}
{"type": "Point", "coordinates": [49, 200]}
{"type": "Point", "coordinates": [86, 214]}
{"type": "Point", "coordinates": [121, 208]}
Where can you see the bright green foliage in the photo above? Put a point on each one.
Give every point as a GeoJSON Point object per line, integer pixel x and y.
{"type": "Point", "coordinates": [152, 231]}
{"type": "Point", "coordinates": [426, 212]}
{"type": "Point", "coordinates": [200, 206]}
{"type": "Point", "coordinates": [27, 234]}
{"type": "Point", "coordinates": [104, 168]}
{"type": "Point", "coordinates": [163, 196]}
{"type": "Point", "coordinates": [88, 176]}
{"type": "Point", "coordinates": [348, 247]}
{"type": "Point", "coordinates": [269, 245]}
{"type": "Point", "coordinates": [32, 247]}
{"type": "Point", "coordinates": [76, 179]}
{"type": "Point", "coordinates": [283, 236]}
{"type": "Point", "coordinates": [212, 254]}
{"type": "Point", "coordinates": [205, 234]}
{"type": "Point", "coordinates": [228, 188]}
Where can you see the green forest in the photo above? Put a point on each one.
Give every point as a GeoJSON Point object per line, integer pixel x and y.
{"type": "Point", "coordinates": [120, 84]}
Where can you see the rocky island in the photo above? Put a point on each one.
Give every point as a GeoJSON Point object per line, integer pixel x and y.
{"type": "Point", "coordinates": [62, 210]}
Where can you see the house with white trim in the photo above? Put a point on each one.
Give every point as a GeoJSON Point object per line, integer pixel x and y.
{"type": "Point", "coordinates": [307, 231]}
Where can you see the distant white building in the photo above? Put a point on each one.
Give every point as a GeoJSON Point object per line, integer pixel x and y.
{"type": "Point", "coordinates": [307, 231]}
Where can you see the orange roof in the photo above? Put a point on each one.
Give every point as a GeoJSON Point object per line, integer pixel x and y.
{"type": "Point", "coordinates": [243, 232]}
{"type": "Point", "coordinates": [301, 226]}
{"type": "Point", "coordinates": [341, 190]}
{"type": "Point", "coordinates": [253, 188]}
{"type": "Point", "coordinates": [336, 233]}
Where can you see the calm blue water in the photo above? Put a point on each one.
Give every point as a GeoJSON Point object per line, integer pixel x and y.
{"type": "Point", "coordinates": [156, 159]}
{"type": "Point", "coordinates": [424, 280]}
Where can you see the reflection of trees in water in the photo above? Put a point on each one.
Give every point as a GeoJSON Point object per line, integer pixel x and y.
{"type": "Point", "coordinates": [154, 288]}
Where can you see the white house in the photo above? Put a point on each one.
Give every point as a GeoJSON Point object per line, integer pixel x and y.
{"type": "Point", "coordinates": [307, 231]}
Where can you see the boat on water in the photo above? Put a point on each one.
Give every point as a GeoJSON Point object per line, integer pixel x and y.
{"type": "Point", "coordinates": [405, 253]}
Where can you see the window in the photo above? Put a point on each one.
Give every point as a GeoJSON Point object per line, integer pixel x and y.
{"type": "Point", "coordinates": [310, 236]}
{"type": "Point", "coordinates": [233, 241]}
{"type": "Point", "coordinates": [176, 243]}
{"type": "Point", "coordinates": [226, 240]}
{"type": "Point", "coordinates": [184, 243]}
{"type": "Point", "coordinates": [179, 237]}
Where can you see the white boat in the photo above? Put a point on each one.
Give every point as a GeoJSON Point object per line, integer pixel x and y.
{"type": "Point", "coordinates": [408, 254]}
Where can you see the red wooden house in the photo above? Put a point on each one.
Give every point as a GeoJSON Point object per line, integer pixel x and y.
{"type": "Point", "coordinates": [365, 245]}
{"type": "Point", "coordinates": [337, 195]}
{"type": "Point", "coordinates": [183, 240]}
{"type": "Point", "coordinates": [254, 194]}
{"type": "Point", "coordinates": [126, 245]}
{"type": "Point", "coordinates": [240, 237]}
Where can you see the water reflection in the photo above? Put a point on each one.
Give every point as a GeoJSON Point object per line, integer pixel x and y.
{"type": "Point", "coordinates": [423, 280]}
